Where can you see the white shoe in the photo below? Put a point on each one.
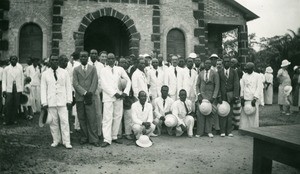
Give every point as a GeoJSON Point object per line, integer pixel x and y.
{"type": "Point", "coordinates": [54, 144]}
{"type": "Point", "coordinates": [197, 136]}
{"type": "Point", "coordinates": [222, 135]}
{"type": "Point", "coordinates": [153, 135]}
{"type": "Point", "coordinates": [68, 146]}
{"type": "Point", "coordinates": [210, 135]}
{"type": "Point", "coordinates": [230, 135]}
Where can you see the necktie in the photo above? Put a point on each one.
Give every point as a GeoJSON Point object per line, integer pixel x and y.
{"type": "Point", "coordinates": [143, 107]}
{"type": "Point", "coordinates": [156, 73]}
{"type": "Point", "coordinates": [175, 71]}
{"type": "Point", "coordinates": [226, 73]}
{"type": "Point", "coordinates": [190, 72]}
{"type": "Point", "coordinates": [206, 75]}
{"type": "Point", "coordinates": [164, 102]}
{"type": "Point", "coordinates": [186, 109]}
{"type": "Point", "coordinates": [55, 76]}
{"type": "Point", "coordinates": [112, 70]}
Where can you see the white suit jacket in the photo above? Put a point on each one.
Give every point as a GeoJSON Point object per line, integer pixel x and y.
{"type": "Point", "coordinates": [155, 82]}
{"type": "Point", "coordinates": [251, 86]}
{"type": "Point", "coordinates": [139, 116]}
{"type": "Point", "coordinates": [99, 66]}
{"type": "Point", "coordinates": [139, 82]}
{"type": "Point", "coordinates": [109, 80]}
{"type": "Point", "coordinates": [34, 74]}
{"type": "Point", "coordinates": [159, 109]}
{"type": "Point", "coordinates": [56, 93]}
{"type": "Point", "coordinates": [174, 83]}
{"type": "Point", "coordinates": [11, 74]}
{"type": "Point", "coordinates": [179, 111]}
{"type": "Point", "coordinates": [190, 82]}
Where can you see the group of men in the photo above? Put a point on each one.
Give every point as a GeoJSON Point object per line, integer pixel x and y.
{"type": "Point", "coordinates": [149, 93]}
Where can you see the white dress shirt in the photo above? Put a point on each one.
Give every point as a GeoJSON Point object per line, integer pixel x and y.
{"type": "Point", "coordinates": [56, 92]}
{"type": "Point", "coordinates": [139, 115]}
{"type": "Point", "coordinates": [251, 86]}
{"type": "Point", "coordinates": [109, 79]}
{"type": "Point", "coordinates": [160, 109]}
{"type": "Point", "coordinates": [139, 82]}
{"type": "Point", "coordinates": [190, 82]}
{"type": "Point", "coordinates": [179, 110]}
{"type": "Point", "coordinates": [11, 75]}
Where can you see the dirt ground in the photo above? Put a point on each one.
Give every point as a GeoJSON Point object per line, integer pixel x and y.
{"type": "Point", "coordinates": [25, 148]}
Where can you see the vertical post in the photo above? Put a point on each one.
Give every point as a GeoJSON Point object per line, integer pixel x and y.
{"type": "Point", "coordinates": [261, 164]}
{"type": "Point", "coordinates": [243, 44]}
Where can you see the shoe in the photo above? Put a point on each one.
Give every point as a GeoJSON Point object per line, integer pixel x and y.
{"type": "Point", "coordinates": [128, 137]}
{"type": "Point", "coordinates": [118, 141]}
{"type": "Point", "coordinates": [230, 135]}
{"type": "Point", "coordinates": [197, 136]}
{"type": "Point", "coordinates": [153, 135]}
{"type": "Point", "coordinates": [210, 135]}
{"type": "Point", "coordinates": [222, 135]}
{"type": "Point", "coordinates": [288, 113]}
{"type": "Point", "coordinates": [68, 146]}
{"type": "Point", "coordinates": [96, 144]}
{"type": "Point", "coordinates": [190, 136]}
{"type": "Point", "coordinates": [54, 144]}
{"type": "Point", "coordinates": [82, 142]}
{"type": "Point", "coordinates": [105, 144]}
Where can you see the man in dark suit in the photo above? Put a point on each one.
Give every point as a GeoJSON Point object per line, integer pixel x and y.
{"type": "Point", "coordinates": [85, 82]}
{"type": "Point", "coordinates": [207, 87]}
{"type": "Point", "coordinates": [229, 90]}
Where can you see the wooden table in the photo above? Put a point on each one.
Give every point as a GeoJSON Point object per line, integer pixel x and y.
{"type": "Point", "coordinates": [279, 143]}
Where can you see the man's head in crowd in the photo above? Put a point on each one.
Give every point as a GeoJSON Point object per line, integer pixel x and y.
{"type": "Point", "coordinates": [214, 59]}
{"type": "Point", "coordinates": [181, 62]}
{"type": "Point", "coordinates": [103, 57]}
{"type": "Point", "coordinates": [234, 63]}
{"type": "Point", "coordinates": [155, 63]}
{"type": "Point", "coordinates": [35, 62]}
{"type": "Point", "coordinates": [142, 97]}
{"type": "Point", "coordinates": [123, 63]}
{"type": "Point", "coordinates": [141, 64]}
{"type": "Point", "coordinates": [226, 62]}
{"type": "Point", "coordinates": [160, 59]}
{"type": "Point", "coordinates": [219, 64]}
{"type": "Point", "coordinates": [13, 60]}
{"type": "Point", "coordinates": [174, 61]}
{"type": "Point", "coordinates": [197, 62]}
{"type": "Point", "coordinates": [63, 61]}
{"type": "Point", "coordinates": [182, 95]}
{"type": "Point", "coordinates": [54, 61]}
{"type": "Point", "coordinates": [164, 91]}
{"type": "Point", "coordinates": [189, 63]}
{"type": "Point", "coordinates": [94, 55]}
{"type": "Point", "coordinates": [207, 64]}
{"type": "Point", "coordinates": [111, 59]}
{"type": "Point", "coordinates": [75, 56]}
{"type": "Point", "coordinates": [83, 57]}
{"type": "Point", "coordinates": [147, 59]}
{"type": "Point", "coordinates": [169, 58]}
{"type": "Point", "coordinates": [249, 67]}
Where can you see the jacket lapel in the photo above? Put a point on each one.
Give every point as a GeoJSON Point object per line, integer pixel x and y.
{"type": "Point", "coordinates": [88, 71]}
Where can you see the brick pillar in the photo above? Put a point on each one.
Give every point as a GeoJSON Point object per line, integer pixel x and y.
{"type": "Point", "coordinates": [243, 44]}
{"type": "Point", "coordinates": [57, 21]}
{"type": "Point", "coordinates": [155, 37]}
{"type": "Point", "coordinates": [201, 31]}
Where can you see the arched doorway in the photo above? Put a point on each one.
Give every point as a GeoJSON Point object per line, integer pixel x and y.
{"type": "Point", "coordinates": [30, 42]}
{"type": "Point", "coordinates": [176, 42]}
{"type": "Point", "coordinates": [109, 34]}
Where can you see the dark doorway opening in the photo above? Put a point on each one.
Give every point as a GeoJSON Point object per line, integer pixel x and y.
{"type": "Point", "coordinates": [109, 34]}
{"type": "Point", "coordinates": [176, 42]}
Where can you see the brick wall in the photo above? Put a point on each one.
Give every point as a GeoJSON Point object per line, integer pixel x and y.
{"type": "Point", "coordinates": [220, 8]}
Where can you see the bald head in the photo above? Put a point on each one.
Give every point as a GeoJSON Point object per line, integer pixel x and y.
{"type": "Point", "coordinates": [249, 67]}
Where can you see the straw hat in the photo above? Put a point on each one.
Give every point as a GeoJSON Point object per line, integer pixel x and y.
{"type": "Point", "coordinates": [223, 109]}
{"type": "Point", "coordinates": [287, 90]}
{"type": "Point", "coordinates": [192, 55]}
{"type": "Point", "coordinates": [269, 70]}
{"type": "Point", "coordinates": [285, 63]}
{"type": "Point", "coordinates": [144, 141]}
{"type": "Point", "coordinates": [205, 107]}
{"type": "Point", "coordinates": [295, 67]}
{"type": "Point", "coordinates": [44, 118]}
{"type": "Point", "coordinates": [249, 109]}
{"type": "Point", "coordinates": [171, 120]}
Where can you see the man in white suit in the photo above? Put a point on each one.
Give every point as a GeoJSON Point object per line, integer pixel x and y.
{"type": "Point", "coordinates": [112, 100]}
{"type": "Point", "coordinates": [155, 80]}
{"type": "Point", "coordinates": [12, 86]}
{"type": "Point", "coordinates": [174, 78]}
{"type": "Point", "coordinates": [56, 96]}
{"type": "Point", "coordinates": [139, 79]}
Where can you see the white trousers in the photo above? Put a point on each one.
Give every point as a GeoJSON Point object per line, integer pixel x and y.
{"type": "Point", "coordinates": [76, 123]}
{"type": "Point", "coordinates": [139, 130]}
{"type": "Point", "coordinates": [98, 106]}
{"type": "Point", "coordinates": [59, 127]}
{"type": "Point", "coordinates": [112, 116]}
{"type": "Point", "coordinates": [36, 98]}
{"type": "Point", "coordinates": [189, 123]}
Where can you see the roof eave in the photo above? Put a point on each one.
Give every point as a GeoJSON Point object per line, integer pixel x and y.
{"type": "Point", "coordinates": [248, 15]}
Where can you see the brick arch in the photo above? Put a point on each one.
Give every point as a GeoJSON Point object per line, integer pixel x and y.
{"type": "Point", "coordinates": [135, 37]}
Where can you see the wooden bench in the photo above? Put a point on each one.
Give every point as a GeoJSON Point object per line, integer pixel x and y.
{"type": "Point", "coordinates": [279, 143]}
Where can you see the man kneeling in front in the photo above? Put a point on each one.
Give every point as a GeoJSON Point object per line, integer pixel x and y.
{"type": "Point", "coordinates": [142, 116]}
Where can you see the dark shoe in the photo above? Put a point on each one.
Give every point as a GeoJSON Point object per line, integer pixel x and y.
{"type": "Point", "coordinates": [96, 144]}
{"type": "Point", "coordinates": [118, 141]}
{"type": "Point", "coordinates": [105, 144]}
{"type": "Point", "coordinates": [82, 142]}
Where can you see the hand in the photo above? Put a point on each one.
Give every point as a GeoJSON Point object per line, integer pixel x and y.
{"type": "Point", "coordinates": [220, 100]}
{"type": "Point", "coordinates": [69, 106]}
{"type": "Point", "coordinates": [200, 98]}
{"type": "Point", "coordinates": [124, 95]}
{"type": "Point", "coordinates": [4, 94]}
{"type": "Point", "coordinates": [117, 95]}
{"type": "Point", "coordinates": [212, 100]}
{"type": "Point", "coordinates": [45, 107]}
{"type": "Point", "coordinates": [183, 128]}
{"type": "Point", "coordinates": [253, 102]}
{"type": "Point", "coordinates": [242, 101]}
{"type": "Point", "coordinates": [162, 118]}
{"type": "Point", "coordinates": [146, 124]}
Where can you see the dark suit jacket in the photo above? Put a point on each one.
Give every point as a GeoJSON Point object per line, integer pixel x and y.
{"type": "Point", "coordinates": [84, 81]}
{"type": "Point", "coordinates": [230, 84]}
{"type": "Point", "coordinates": [208, 89]}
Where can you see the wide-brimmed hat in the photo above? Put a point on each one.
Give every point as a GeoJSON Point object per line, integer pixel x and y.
{"type": "Point", "coordinates": [122, 84]}
{"type": "Point", "coordinates": [223, 109]}
{"type": "Point", "coordinates": [295, 67]}
{"type": "Point", "coordinates": [144, 141]}
{"type": "Point", "coordinates": [285, 63]}
{"type": "Point", "coordinates": [287, 90]}
{"type": "Point", "coordinates": [171, 120]}
{"type": "Point", "coordinates": [249, 109]}
{"type": "Point", "coordinates": [205, 107]}
{"type": "Point", "coordinates": [214, 56]}
{"type": "Point", "coordinates": [269, 69]}
{"type": "Point", "coordinates": [23, 99]}
{"type": "Point", "coordinates": [44, 118]}
{"type": "Point", "coordinates": [193, 55]}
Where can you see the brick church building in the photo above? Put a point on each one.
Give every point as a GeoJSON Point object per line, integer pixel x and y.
{"type": "Point", "coordinates": [37, 28]}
